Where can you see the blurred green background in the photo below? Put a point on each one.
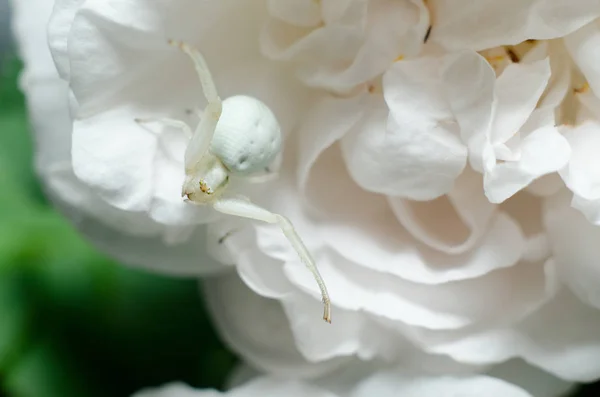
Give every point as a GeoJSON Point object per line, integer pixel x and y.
{"type": "Point", "coordinates": [73, 322]}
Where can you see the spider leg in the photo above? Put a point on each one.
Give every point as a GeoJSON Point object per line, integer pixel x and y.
{"type": "Point", "coordinates": [242, 207]}
{"type": "Point", "coordinates": [202, 137]}
{"type": "Point", "coordinates": [180, 125]}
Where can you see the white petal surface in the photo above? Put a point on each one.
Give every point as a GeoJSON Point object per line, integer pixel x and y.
{"type": "Point", "coordinates": [377, 243]}
{"type": "Point", "coordinates": [114, 62]}
{"type": "Point", "coordinates": [518, 90]}
{"type": "Point", "coordinates": [392, 384]}
{"type": "Point", "coordinates": [546, 339]}
{"type": "Point", "coordinates": [103, 158]}
{"type": "Point", "coordinates": [349, 43]}
{"type": "Point", "coordinates": [430, 306]}
{"type": "Point", "coordinates": [260, 387]}
{"type": "Point", "coordinates": [416, 153]}
{"type": "Point", "coordinates": [583, 47]}
{"type": "Point", "coordinates": [489, 23]}
{"type": "Point", "coordinates": [560, 78]}
{"type": "Point", "coordinates": [542, 152]}
{"type": "Point", "coordinates": [537, 382]}
{"type": "Point", "coordinates": [574, 242]}
{"type": "Point", "coordinates": [582, 174]}
{"type": "Point", "coordinates": [327, 122]}
{"type": "Point", "coordinates": [175, 390]}
{"type": "Point", "coordinates": [382, 384]}
{"type": "Point", "coordinates": [470, 94]}
{"type": "Point", "coordinates": [296, 12]}
{"type": "Point", "coordinates": [59, 25]}
{"type": "Point", "coordinates": [246, 321]}
{"type": "Point", "coordinates": [452, 224]}
{"type": "Point", "coordinates": [29, 29]}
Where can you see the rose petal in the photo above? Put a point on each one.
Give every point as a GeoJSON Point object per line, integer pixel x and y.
{"type": "Point", "coordinates": [263, 387]}
{"type": "Point", "coordinates": [30, 31]}
{"type": "Point", "coordinates": [355, 42]}
{"type": "Point", "coordinates": [349, 334]}
{"type": "Point", "coordinates": [397, 29]}
{"type": "Point", "coordinates": [518, 90]}
{"type": "Point", "coordinates": [392, 384]}
{"type": "Point", "coordinates": [60, 23]}
{"type": "Point", "coordinates": [296, 12]}
{"type": "Point", "coordinates": [527, 210]}
{"type": "Point", "coordinates": [378, 244]}
{"type": "Point", "coordinates": [273, 387]}
{"type": "Point", "coordinates": [129, 238]}
{"type": "Point", "coordinates": [246, 322]}
{"type": "Point", "coordinates": [329, 170]}
{"type": "Point", "coordinates": [582, 45]}
{"type": "Point", "coordinates": [452, 224]}
{"type": "Point", "coordinates": [537, 382]}
{"type": "Point", "coordinates": [589, 208]}
{"type": "Point", "coordinates": [319, 51]}
{"type": "Point", "coordinates": [542, 152]}
{"type": "Point", "coordinates": [546, 339]}
{"type": "Point", "coordinates": [487, 23]}
{"type": "Point", "coordinates": [175, 389]}
{"type": "Point", "coordinates": [417, 155]}
{"type": "Point", "coordinates": [546, 185]}
{"type": "Point", "coordinates": [582, 174]}
{"type": "Point", "coordinates": [103, 158]}
{"type": "Point", "coordinates": [470, 94]}
{"type": "Point", "coordinates": [591, 106]}
{"type": "Point", "coordinates": [560, 76]}
{"type": "Point", "coordinates": [573, 241]}
{"type": "Point", "coordinates": [436, 307]}
{"type": "Point", "coordinates": [363, 230]}
{"type": "Point", "coordinates": [326, 122]}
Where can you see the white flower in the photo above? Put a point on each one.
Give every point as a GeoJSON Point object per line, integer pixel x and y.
{"type": "Point", "coordinates": [425, 188]}
{"type": "Point", "coordinates": [387, 384]}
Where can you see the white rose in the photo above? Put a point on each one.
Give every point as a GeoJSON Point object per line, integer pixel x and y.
{"type": "Point", "coordinates": [388, 174]}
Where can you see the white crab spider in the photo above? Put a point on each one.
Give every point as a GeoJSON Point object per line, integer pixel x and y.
{"type": "Point", "coordinates": [239, 137]}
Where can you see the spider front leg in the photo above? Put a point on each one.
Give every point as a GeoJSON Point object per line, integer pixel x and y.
{"type": "Point", "coordinates": [242, 207]}
{"type": "Point", "coordinates": [202, 137]}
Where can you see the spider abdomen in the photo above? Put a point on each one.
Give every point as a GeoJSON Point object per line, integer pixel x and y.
{"type": "Point", "coordinates": [247, 137]}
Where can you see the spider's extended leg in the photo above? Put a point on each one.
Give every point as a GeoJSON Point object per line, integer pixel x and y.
{"type": "Point", "coordinates": [242, 207]}
{"type": "Point", "coordinates": [180, 125]}
{"type": "Point", "coordinates": [205, 130]}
